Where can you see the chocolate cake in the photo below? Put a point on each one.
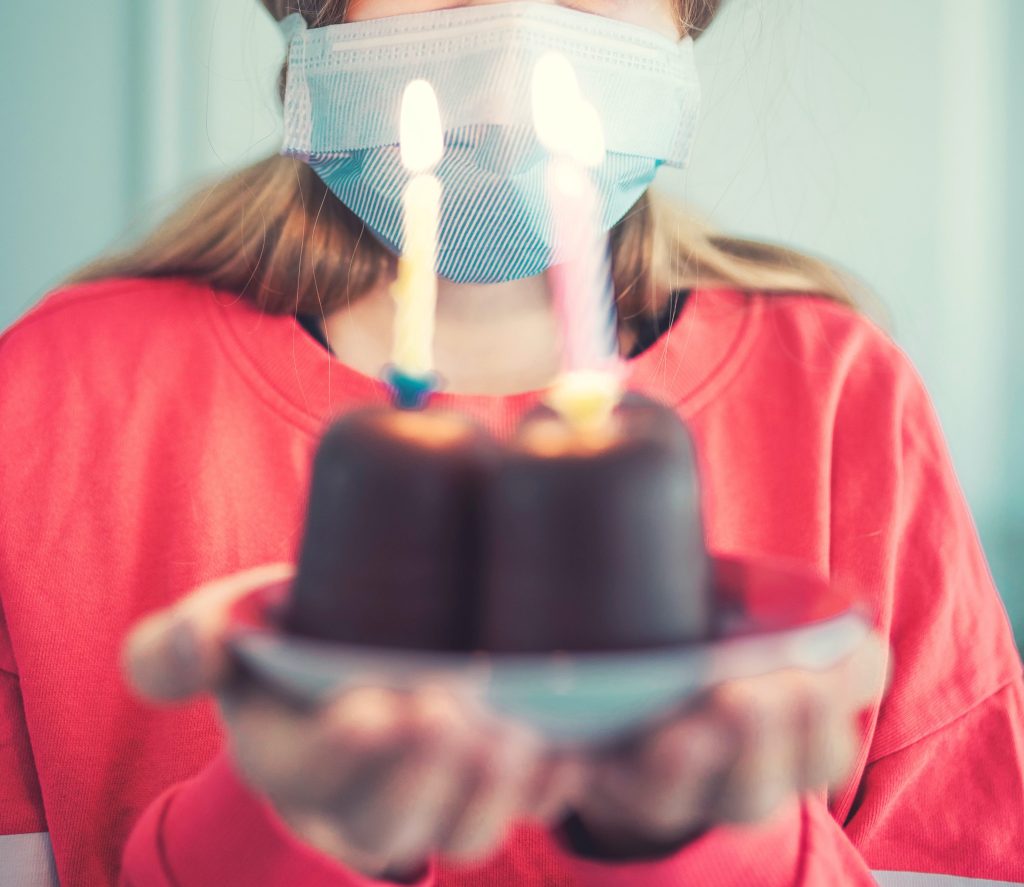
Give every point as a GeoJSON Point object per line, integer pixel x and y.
{"type": "Point", "coordinates": [423, 533]}
{"type": "Point", "coordinates": [595, 540]}
{"type": "Point", "coordinates": [389, 553]}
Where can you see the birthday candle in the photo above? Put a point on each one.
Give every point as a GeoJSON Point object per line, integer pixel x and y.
{"type": "Point", "coordinates": [570, 128]}
{"type": "Point", "coordinates": [415, 289]}
{"type": "Point", "coordinates": [581, 275]}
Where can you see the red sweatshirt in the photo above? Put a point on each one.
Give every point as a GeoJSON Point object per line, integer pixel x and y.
{"type": "Point", "coordinates": [156, 435]}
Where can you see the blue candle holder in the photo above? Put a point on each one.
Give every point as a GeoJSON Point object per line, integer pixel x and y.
{"type": "Point", "coordinates": [411, 392]}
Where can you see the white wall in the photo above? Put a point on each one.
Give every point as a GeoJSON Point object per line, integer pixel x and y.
{"type": "Point", "coordinates": [880, 135]}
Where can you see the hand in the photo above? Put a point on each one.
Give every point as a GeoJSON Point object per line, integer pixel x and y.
{"type": "Point", "coordinates": [377, 779]}
{"type": "Point", "coordinates": [733, 757]}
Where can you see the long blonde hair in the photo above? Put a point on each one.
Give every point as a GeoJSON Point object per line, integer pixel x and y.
{"type": "Point", "coordinates": [273, 233]}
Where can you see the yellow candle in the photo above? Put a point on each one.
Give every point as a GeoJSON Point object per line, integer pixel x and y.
{"type": "Point", "coordinates": [415, 289]}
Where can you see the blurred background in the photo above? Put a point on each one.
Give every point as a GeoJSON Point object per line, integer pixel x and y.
{"type": "Point", "coordinates": [882, 136]}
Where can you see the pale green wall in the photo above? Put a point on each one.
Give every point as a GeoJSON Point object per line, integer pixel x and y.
{"type": "Point", "coordinates": [1014, 327]}
{"type": "Point", "coordinates": [112, 110]}
{"type": "Point", "coordinates": [1015, 253]}
{"type": "Point", "coordinates": [67, 153]}
{"type": "Point", "coordinates": [886, 141]}
{"type": "Point", "coordinates": [881, 142]}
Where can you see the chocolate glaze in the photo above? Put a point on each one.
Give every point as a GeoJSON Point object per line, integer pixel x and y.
{"type": "Point", "coordinates": [389, 553]}
{"type": "Point", "coordinates": [596, 545]}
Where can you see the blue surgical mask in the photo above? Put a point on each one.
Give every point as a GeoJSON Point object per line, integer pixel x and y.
{"type": "Point", "coordinates": [343, 109]}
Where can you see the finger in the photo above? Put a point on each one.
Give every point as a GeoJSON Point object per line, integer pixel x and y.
{"type": "Point", "coordinates": [494, 792]}
{"type": "Point", "coordinates": [839, 696]}
{"type": "Point", "coordinates": [330, 758]}
{"type": "Point", "coordinates": [814, 735]}
{"type": "Point", "coordinates": [867, 673]}
{"type": "Point", "coordinates": [757, 713]}
{"type": "Point", "coordinates": [690, 759]}
{"type": "Point", "coordinates": [179, 652]}
{"type": "Point", "coordinates": [667, 786]}
{"type": "Point", "coordinates": [554, 787]}
{"type": "Point", "coordinates": [400, 819]}
{"type": "Point", "coordinates": [321, 833]}
{"type": "Point", "coordinates": [841, 752]}
{"type": "Point", "coordinates": [827, 719]}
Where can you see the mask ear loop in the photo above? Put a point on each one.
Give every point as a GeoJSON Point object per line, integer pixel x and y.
{"type": "Point", "coordinates": [298, 111]}
{"type": "Point", "coordinates": [291, 25]}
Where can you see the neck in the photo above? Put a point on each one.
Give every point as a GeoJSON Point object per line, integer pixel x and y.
{"type": "Point", "coordinates": [492, 339]}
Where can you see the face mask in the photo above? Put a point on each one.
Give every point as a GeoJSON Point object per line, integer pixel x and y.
{"type": "Point", "coordinates": [343, 106]}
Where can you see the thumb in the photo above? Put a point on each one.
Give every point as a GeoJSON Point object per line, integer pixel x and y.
{"type": "Point", "coordinates": [178, 652]}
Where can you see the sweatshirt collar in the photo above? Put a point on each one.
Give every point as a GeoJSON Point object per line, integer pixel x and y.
{"type": "Point", "coordinates": [686, 368]}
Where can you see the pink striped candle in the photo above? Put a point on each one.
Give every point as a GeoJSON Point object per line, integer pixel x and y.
{"type": "Point", "coordinates": [581, 280]}
{"type": "Point", "coordinates": [581, 276]}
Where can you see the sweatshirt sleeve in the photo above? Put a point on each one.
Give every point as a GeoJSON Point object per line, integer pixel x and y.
{"type": "Point", "coordinates": [941, 792]}
{"type": "Point", "coordinates": [213, 829]}
{"type": "Point", "coordinates": [952, 803]}
{"type": "Point", "coordinates": [801, 844]}
{"type": "Point", "coordinates": [26, 854]}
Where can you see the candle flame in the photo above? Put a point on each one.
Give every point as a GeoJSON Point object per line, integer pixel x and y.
{"type": "Point", "coordinates": [569, 178]}
{"type": "Point", "coordinates": [555, 92]}
{"type": "Point", "coordinates": [422, 136]}
{"type": "Point", "coordinates": [566, 123]}
{"type": "Point", "coordinates": [590, 145]}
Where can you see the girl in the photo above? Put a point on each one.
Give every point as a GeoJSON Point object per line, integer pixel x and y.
{"type": "Point", "coordinates": [158, 418]}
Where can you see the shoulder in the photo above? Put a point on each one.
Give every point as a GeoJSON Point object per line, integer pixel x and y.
{"type": "Point", "coordinates": [837, 347]}
{"type": "Point", "coordinates": [812, 325]}
{"type": "Point", "coordinates": [833, 370]}
{"type": "Point", "coordinates": [108, 325]}
{"type": "Point", "coordinates": [110, 313]}
{"type": "Point", "coordinates": [102, 345]}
